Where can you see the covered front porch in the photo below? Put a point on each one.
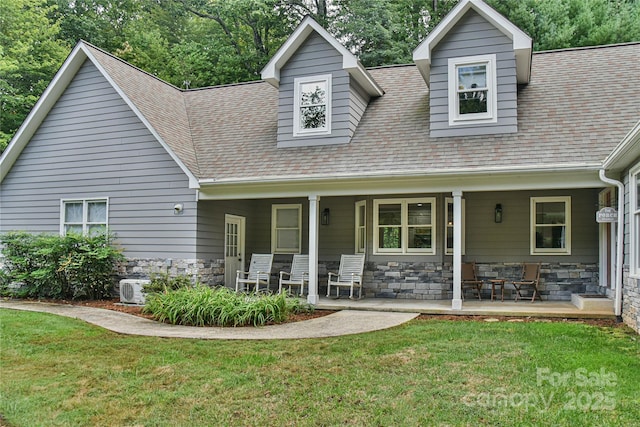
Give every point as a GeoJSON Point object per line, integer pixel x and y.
{"type": "Point", "coordinates": [416, 234]}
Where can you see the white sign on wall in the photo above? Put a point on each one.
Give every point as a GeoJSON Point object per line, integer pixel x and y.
{"type": "Point", "coordinates": [607, 215]}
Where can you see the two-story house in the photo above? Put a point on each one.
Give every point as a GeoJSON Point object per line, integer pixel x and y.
{"type": "Point", "coordinates": [481, 150]}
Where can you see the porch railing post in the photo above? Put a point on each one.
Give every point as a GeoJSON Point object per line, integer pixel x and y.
{"type": "Point", "coordinates": [456, 302]}
{"type": "Point", "coordinates": [314, 214]}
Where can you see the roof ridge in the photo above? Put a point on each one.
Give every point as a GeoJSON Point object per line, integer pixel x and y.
{"type": "Point", "coordinates": [578, 48]}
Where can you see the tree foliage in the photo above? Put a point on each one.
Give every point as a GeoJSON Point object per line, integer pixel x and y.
{"type": "Point", "coordinates": [197, 43]}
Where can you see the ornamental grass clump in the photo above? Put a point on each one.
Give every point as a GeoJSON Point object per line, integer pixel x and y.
{"type": "Point", "coordinates": [205, 306]}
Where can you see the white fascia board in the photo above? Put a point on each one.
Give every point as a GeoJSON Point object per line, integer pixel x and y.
{"type": "Point", "coordinates": [39, 112]}
{"type": "Point", "coordinates": [522, 43]}
{"type": "Point", "coordinates": [514, 179]}
{"type": "Point", "coordinates": [193, 181]}
{"type": "Point", "coordinates": [271, 72]}
{"type": "Point", "coordinates": [626, 151]}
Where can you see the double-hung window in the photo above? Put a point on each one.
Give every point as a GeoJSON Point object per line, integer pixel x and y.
{"type": "Point", "coordinates": [361, 226]}
{"type": "Point", "coordinates": [312, 105]}
{"type": "Point", "coordinates": [85, 216]}
{"type": "Point", "coordinates": [404, 226]}
{"type": "Point", "coordinates": [634, 220]}
{"type": "Point", "coordinates": [286, 233]}
{"type": "Point", "coordinates": [551, 225]}
{"type": "Point", "coordinates": [472, 90]}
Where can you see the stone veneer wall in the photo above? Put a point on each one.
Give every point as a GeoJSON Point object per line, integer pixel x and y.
{"type": "Point", "coordinates": [631, 300]}
{"type": "Point", "coordinates": [433, 281]}
{"type": "Point", "coordinates": [210, 272]}
{"type": "Point", "coordinates": [401, 280]}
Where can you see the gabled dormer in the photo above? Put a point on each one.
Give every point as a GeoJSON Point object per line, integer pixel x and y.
{"type": "Point", "coordinates": [473, 62]}
{"type": "Point", "coordinates": [323, 88]}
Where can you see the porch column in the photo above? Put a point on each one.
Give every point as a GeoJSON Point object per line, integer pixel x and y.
{"type": "Point", "coordinates": [456, 302]}
{"type": "Point", "coordinates": [314, 214]}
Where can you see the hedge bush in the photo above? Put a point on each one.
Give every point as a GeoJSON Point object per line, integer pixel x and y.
{"type": "Point", "coordinates": [205, 306]}
{"type": "Point", "coordinates": [163, 282]}
{"type": "Point", "coordinates": [60, 267]}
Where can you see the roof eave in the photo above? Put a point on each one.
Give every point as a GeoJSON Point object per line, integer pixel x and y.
{"type": "Point", "coordinates": [522, 43]}
{"type": "Point", "coordinates": [627, 151]}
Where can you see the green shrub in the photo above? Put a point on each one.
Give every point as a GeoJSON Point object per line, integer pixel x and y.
{"type": "Point", "coordinates": [205, 306]}
{"type": "Point", "coordinates": [163, 282]}
{"type": "Point", "coordinates": [66, 267]}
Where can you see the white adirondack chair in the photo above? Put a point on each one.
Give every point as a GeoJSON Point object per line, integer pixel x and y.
{"type": "Point", "coordinates": [259, 272]}
{"type": "Point", "coordinates": [298, 276]}
{"type": "Point", "coordinates": [349, 275]}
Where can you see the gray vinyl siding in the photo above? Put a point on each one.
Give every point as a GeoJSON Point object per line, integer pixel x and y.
{"type": "Point", "coordinates": [472, 36]}
{"type": "Point", "coordinates": [627, 212]}
{"type": "Point", "coordinates": [348, 101]}
{"type": "Point", "coordinates": [357, 105]}
{"type": "Point", "coordinates": [509, 241]}
{"type": "Point", "coordinates": [91, 145]}
{"type": "Point", "coordinates": [211, 222]}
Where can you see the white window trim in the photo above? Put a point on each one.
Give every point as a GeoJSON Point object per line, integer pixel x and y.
{"type": "Point", "coordinates": [85, 223]}
{"type": "Point", "coordinates": [447, 250]}
{"type": "Point", "coordinates": [491, 116]}
{"type": "Point", "coordinates": [567, 213]}
{"type": "Point", "coordinates": [634, 223]}
{"type": "Point", "coordinates": [361, 227]}
{"type": "Point", "coordinates": [404, 249]}
{"type": "Point", "coordinates": [297, 82]}
{"type": "Point", "coordinates": [274, 237]}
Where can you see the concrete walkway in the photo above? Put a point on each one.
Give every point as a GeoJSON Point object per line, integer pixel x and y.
{"type": "Point", "coordinates": [345, 322]}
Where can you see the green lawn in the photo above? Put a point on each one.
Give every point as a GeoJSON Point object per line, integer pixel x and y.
{"type": "Point", "coordinates": [60, 371]}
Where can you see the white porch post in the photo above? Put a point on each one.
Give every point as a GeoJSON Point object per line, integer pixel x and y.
{"type": "Point", "coordinates": [456, 302]}
{"type": "Point", "coordinates": [314, 211]}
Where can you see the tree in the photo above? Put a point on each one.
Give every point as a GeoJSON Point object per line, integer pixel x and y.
{"type": "Point", "coordinates": [30, 54]}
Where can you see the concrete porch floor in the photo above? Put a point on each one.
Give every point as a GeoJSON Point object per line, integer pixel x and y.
{"type": "Point", "coordinates": [526, 308]}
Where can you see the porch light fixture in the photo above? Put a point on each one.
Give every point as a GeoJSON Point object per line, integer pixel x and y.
{"type": "Point", "coordinates": [498, 214]}
{"type": "Point", "coordinates": [324, 217]}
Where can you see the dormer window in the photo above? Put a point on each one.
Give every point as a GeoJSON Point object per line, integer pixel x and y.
{"type": "Point", "coordinates": [472, 90]}
{"type": "Point", "coordinates": [312, 105]}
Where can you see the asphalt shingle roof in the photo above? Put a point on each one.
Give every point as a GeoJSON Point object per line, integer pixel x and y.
{"type": "Point", "coordinates": [578, 105]}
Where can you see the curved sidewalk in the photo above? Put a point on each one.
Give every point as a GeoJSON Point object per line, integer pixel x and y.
{"type": "Point", "coordinates": [345, 322]}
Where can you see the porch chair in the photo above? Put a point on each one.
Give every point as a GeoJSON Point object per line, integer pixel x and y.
{"type": "Point", "coordinates": [470, 279]}
{"type": "Point", "coordinates": [349, 275]}
{"type": "Point", "coordinates": [530, 278]}
{"type": "Point", "coordinates": [259, 272]}
{"type": "Point", "coordinates": [298, 276]}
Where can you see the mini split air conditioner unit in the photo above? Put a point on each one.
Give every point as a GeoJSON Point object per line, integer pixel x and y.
{"type": "Point", "coordinates": [131, 291]}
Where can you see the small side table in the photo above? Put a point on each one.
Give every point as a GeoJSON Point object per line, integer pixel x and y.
{"type": "Point", "coordinates": [494, 284]}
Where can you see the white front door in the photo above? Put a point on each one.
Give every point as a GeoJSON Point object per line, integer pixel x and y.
{"type": "Point", "coordinates": [234, 227]}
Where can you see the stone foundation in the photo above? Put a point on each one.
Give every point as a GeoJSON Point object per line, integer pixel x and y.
{"type": "Point", "coordinates": [402, 280]}
{"type": "Point", "coordinates": [631, 300]}
{"type": "Point", "coordinates": [208, 272]}
{"type": "Point", "coordinates": [433, 281]}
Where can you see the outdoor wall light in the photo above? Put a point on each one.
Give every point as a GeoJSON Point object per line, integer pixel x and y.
{"type": "Point", "coordinates": [325, 216]}
{"type": "Point", "coordinates": [498, 213]}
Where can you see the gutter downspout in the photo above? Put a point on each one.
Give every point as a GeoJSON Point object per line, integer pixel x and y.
{"type": "Point", "coordinates": [619, 240]}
